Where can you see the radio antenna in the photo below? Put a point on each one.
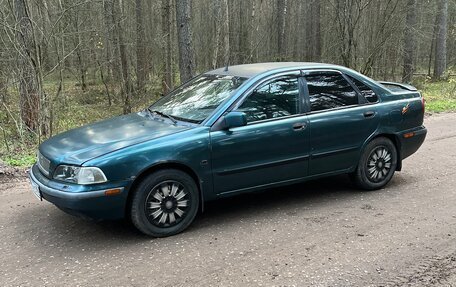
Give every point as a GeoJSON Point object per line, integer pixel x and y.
{"type": "Point", "coordinates": [227, 60]}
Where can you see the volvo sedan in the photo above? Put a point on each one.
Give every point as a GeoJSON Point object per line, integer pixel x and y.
{"type": "Point", "coordinates": [229, 131]}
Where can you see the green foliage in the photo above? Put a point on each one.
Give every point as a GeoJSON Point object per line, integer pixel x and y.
{"type": "Point", "coordinates": [440, 96]}
{"type": "Point", "coordinates": [71, 109]}
{"type": "Point", "coordinates": [441, 105]}
{"type": "Point", "coordinates": [20, 160]}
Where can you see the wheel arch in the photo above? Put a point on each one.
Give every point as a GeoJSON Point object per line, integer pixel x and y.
{"type": "Point", "coordinates": [160, 166]}
{"type": "Point", "coordinates": [395, 139]}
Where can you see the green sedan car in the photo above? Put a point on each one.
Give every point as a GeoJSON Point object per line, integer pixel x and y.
{"type": "Point", "coordinates": [229, 131]}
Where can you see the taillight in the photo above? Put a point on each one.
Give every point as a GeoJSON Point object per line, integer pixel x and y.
{"type": "Point", "coordinates": [423, 103]}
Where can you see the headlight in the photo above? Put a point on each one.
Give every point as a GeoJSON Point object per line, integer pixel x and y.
{"type": "Point", "coordinates": [79, 175]}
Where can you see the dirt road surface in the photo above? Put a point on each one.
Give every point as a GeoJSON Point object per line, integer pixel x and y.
{"type": "Point", "coordinates": [320, 233]}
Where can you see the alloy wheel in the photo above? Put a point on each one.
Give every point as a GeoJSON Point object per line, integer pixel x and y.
{"type": "Point", "coordinates": [167, 203]}
{"type": "Point", "coordinates": [379, 164]}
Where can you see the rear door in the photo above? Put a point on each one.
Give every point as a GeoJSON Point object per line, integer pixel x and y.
{"type": "Point", "coordinates": [340, 121]}
{"type": "Point", "coordinates": [274, 145]}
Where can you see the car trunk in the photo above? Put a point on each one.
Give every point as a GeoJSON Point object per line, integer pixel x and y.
{"type": "Point", "coordinates": [409, 112]}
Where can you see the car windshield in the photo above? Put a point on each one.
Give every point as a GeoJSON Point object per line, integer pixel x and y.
{"type": "Point", "coordinates": [197, 99]}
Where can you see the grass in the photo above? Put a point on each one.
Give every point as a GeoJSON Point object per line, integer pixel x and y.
{"type": "Point", "coordinates": [440, 96]}
{"type": "Point", "coordinates": [20, 160]}
{"type": "Point", "coordinates": [441, 105]}
{"type": "Point", "coordinates": [75, 108]}
{"type": "Point", "coordinates": [72, 109]}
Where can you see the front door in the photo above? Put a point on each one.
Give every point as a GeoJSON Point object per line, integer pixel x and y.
{"type": "Point", "coordinates": [273, 147]}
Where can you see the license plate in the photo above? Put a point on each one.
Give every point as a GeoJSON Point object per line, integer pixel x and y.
{"type": "Point", "coordinates": [36, 190]}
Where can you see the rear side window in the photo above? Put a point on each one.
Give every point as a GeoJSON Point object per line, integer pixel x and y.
{"type": "Point", "coordinates": [367, 92]}
{"type": "Point", "coordinates": [275, 99]}
{"type": "Point", "coordinates": [329, 90]}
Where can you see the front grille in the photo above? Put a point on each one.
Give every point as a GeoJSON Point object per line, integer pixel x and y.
{"type": "Point", "coordinates": [43, 164]}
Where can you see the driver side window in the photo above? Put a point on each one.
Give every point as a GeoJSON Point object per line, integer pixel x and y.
{"type": "Point", "coordinates": [275, 99]}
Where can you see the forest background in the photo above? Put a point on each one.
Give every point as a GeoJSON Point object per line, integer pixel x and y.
{"type": "Point", "coordinates": [66, 63]}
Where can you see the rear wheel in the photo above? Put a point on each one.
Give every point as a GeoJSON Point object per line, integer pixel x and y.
{"type": "Point", "coordinates": [164, 203]}
{"type": "Point", "coordinates": [377, 164]}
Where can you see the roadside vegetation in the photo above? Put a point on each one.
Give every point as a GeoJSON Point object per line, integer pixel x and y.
{"type": "Point", "coordinates": [76, 108]}
{"type": "Point", "coordinates": [440, 96]}
{"type": "Point", "coordinates": [73, 108]}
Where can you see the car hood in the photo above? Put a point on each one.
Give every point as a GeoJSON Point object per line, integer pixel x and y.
{"type": "Point", "coordinates": [90, 141]}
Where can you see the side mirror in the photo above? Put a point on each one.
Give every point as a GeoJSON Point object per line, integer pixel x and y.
{"type": "Point", "coordinates": [235, 119]}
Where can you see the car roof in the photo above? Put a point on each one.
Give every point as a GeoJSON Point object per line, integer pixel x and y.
{"type": "Point", "coordinates": [251, 70]}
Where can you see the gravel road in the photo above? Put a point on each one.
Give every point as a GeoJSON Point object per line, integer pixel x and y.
{"type": "Point", "coordinates": [320, 233]}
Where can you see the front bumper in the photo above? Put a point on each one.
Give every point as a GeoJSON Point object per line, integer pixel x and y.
{"type": "Point", "coordinates": [88, 201]}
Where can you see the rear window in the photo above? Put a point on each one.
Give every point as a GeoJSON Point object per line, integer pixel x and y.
{"type": "Point", "coordinates": [367, 92]}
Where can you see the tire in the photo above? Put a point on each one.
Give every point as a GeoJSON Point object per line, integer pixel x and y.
{"type": "Point", "coordinates": [377, 164]}
{"type": "Point", "coordinates": [164, 203]}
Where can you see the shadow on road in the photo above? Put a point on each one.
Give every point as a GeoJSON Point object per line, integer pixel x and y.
{"type": "Point", "coordinates": [303, 194]}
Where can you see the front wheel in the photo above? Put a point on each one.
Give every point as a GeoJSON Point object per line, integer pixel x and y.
{"type": "Point", "coordinates": [377, 164]}
{"type": "Point", "coordinates": [164, 203]}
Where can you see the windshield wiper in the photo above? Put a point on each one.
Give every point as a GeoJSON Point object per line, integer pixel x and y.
{"type": "Point", "coordinates": [162, 115]}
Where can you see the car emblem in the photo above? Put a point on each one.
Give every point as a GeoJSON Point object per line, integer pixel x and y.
{"type": "Point", "coordinates": [406, 108]}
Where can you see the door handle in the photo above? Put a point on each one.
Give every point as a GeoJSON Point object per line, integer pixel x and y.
{"type": "Point", "coordinates": [369, 114]}
{"type": "Point", "coordinates": [299, 126]}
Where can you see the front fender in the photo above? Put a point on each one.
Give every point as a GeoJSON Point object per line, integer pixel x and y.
{"type": "Point", "coordinates": [189, 148]}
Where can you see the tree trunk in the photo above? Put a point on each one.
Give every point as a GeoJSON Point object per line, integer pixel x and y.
{"type": "Point", "coordinates": [242, 32]}
{"type": "Point", "coordinates": [440, 47]}
{"type": "Point", "coordinates": [3, 89]}
{"type": "Point", "coordinates": [108, 36]}
{"type": "Point", "coordinates": [167, 82]}
{"type": "Point", "coordinates": [312, 31]}
{"type": "Point", "coordinates": [26, 64]}
{"type": "Point", "coordinates": [253, 32]}
{"type": "Point", "coordinates": [409, 42]}
{"type": "Point", "coordinates": [316, 31]}
{"type": "Point", "coordinates": [432, 48]}
{"type": "Point", "coordinates": [80, 61]}
{"type": "Point", "coordinates": [126, 83]}
{"type": "Point", "coordinates": [141, 51]}
{"type": "Point", "coordinates": [281, 20]}
{"type": "Point", "coordinates": [184, 35]}
{"type": "Point", "coordinates": [308, 31]}
{"type": "Point", "coordinates": [226, 31]}
{"type": "Point", "coordinates": [218, 31]}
